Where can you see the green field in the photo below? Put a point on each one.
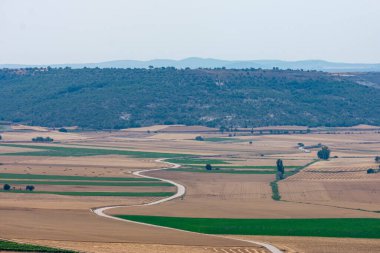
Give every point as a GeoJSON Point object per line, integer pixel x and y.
{"type": "Point", "coordinates": [89, 183]}
{"type": "Point", "coordinates": [345, 227]}
{"type": "Point", "coordinates": [100, 194]}
{"type": "Point", "coordinates": [59, 177]}
{"type": "Point", "coordinates": [14, 246]}
{"type": "Point", "coordinates": [48, 150]}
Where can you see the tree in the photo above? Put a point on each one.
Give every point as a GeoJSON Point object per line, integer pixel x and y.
{"type": "Point", "coordinates": [280, 166]}
{"type": "Point", "coordinates": [208, 166]}
{"type": "Point", "coordinates": [62, 130]}
{"type": "Point", "coordinates": [324, 153]}
{"type": "Point", "coordinates": [370, 171]}
{"type": "Point", "coordinates": [280, 169]}
{"type": "Point", "coordinates": [42, 139]}
{"type": "Point", "coordinates": [199, 138]}
{"type": "Point", "coordinates": [6, 187]}
{"type": "Point", "coordinates": [377, 158]}
{"type": "Point", "coordinates": [30, 188]}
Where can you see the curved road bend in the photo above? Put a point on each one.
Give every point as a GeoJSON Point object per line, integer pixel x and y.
{"type": "Point", "coordinates": [181, 190]}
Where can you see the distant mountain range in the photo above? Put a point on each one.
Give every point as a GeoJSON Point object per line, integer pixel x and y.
{"type": "Point", "coordinates": [195, 62]}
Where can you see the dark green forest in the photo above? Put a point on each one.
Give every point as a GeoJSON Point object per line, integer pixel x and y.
{"type": "Point", "coordinates": [121, 98]}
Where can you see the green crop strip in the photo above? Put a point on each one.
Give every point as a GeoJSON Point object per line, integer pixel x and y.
{"type": "Point", "coordinates": [350, 227]}
{"type": "Point", "coordinates": [22, 247]}
{"type": "Point", "coordinates": [48, 150]}
{"type": "Point", "coordinates": [60, 177]}
{"type": "Point", "coordinates": [103, 194]}
{"type": "Point", "coordinates": [83, 183]}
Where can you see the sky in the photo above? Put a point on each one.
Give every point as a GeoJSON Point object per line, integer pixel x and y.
{"type": "Point", "coordinates": [84, 31]}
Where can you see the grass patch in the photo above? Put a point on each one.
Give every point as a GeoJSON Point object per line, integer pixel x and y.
{"type": "Point", "coordinates": [22, 247]}
{"type": "Point", "coordinates": [72, 151]}
{"type": "Point", "coordinates": [196, 161]}
{"type": "Point", "coordinates": [352, 228]}
{"type": "Point", "coordinates": [102, 194]}
{"type": "Point", "coordinates": [83, 183]}
{"type": "Point", "coordinates": [59, 177]}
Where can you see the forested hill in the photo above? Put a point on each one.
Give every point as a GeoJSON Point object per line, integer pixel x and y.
{"type": "Point", "coordinates": [120, 98]}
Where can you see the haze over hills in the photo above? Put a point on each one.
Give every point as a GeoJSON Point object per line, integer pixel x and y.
{"type": "Point", "coordinates": [195, 62]}
{"type": "Point", "coordinates": [122, 98]}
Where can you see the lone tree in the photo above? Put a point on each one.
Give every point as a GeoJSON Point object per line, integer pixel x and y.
{"type": "Point", "coordinates": [324, 153]}
{"type": "Point", "coordinates": [370, 171]}
{"type": "Point", "coordinates": [30, 188]}
{"type": "Point", "coordinates": [62, 130]}
{"type": "Point", "coordinates": [6, 187]}
{"type": "Point", "coordinates": [208, 167]}
{"type": "Point", "coordinates": [199, 138]}
{"type": "Point", "coordinates": [377, 158]}
{"type": "Point", "coordinates": [280, 169]}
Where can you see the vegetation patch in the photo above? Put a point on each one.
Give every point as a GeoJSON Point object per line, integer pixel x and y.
{"type": "Point", "coordinates": [22, 247]}
{"type": "Point", "coordinates": [345, 227]}
{"type": "Point", "coordinates": [275, 193]}
{"type": "Point", "coordinates": [323, 99]}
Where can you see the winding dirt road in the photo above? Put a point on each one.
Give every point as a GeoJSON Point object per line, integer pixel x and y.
{"type": "Point", "coordinates": [181, 190]}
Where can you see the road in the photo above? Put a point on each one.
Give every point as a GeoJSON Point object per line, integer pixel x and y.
{"type": "Point", "coordinates": [181, 191]}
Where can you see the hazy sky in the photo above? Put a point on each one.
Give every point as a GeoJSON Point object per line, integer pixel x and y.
{"type": "Point", "coordinates": [77, 31]}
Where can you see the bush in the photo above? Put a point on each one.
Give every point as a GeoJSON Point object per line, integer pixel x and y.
{"type": "Point", "coordinates": [42, 139]}
{"type": "Point", "coordinates": [208, 166]}
{"type": "Point", "coordinates": [199, 138]}
{"type": "Point", "coordinates": [324, 153]}
{"type": "Point", "coordinates": [370, 171]}
{"type": "Point", "coordinates": [377, 158]}
{"type": "Point", "coordinates": [62, 130]}
{"type": "Point", "coordinates": [6, 187]}
{"type": "Point", "coordinates": [30, 188]}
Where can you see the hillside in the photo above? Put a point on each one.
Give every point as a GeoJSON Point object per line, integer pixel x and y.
{"type": "Point", "coordinates": [120, 98]}
{"type": "Point", "coordinates": [195, 62]}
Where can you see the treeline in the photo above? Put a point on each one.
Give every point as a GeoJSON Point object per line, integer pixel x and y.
{"type": "Point", "coordinates": [122, 98]}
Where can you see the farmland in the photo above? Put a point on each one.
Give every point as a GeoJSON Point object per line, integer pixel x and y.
{"type": "Point", "coordinates": [81, 171]}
